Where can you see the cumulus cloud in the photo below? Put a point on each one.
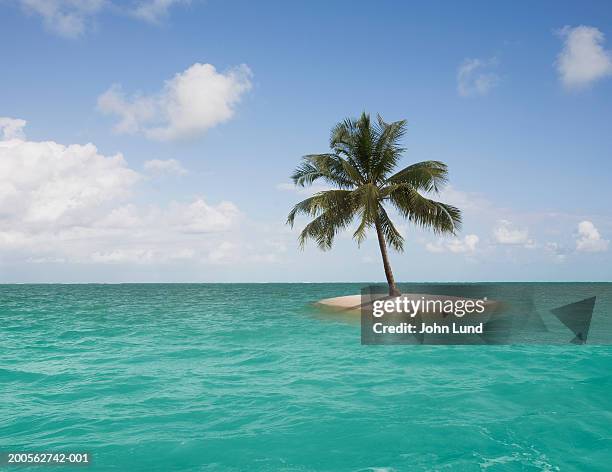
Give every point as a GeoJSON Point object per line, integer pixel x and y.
{"type": "Point", "coordinates": [46, 181]}
{"type": "Point", "coordinates": [457, 245]}
{"type": "Point", "coordinates": [474, 77]}
{"type": "Point", "coordinates": [507, 233]}
{"type": "Point", "coordinates": [167, 166]}
{"type": "Point", "coordinates": [589, 239]}
{"type": "Point", "coordinates": [583, 59]}
{"type": "Point", "coordinates": [11, 128]}
{"type": "Point", "coordinates": [71, 204]}
{"type": "Point", "coordinates": [190, 103]}
{"type": "Point", "coordinates": [71, 18]}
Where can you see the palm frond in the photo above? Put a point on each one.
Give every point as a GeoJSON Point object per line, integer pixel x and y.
{"type": "Point", "coordinates": [328, 167]}
{"type": "Point", "coordinates": [324, 228]}
{"type": "Point", "coordinates": [387, 151]}
{"type": "Point", "coordinates": [367, 200]}
{"type": "Point", "coordinates": [422, 211]}
{"type": "Point", "coordinates": [360, 233]}
{"type": "Point", "coordinates": [392, 235]}
{"type": "Point", "coordinates": [364, 144]}
{"type": "Point", "coordinates": [427, 176]}
{"type": "Point", "coordinates": [320, 203]}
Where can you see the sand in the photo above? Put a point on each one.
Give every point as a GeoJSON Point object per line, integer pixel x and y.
{"type": "Point", "coordinates": [348, 303]}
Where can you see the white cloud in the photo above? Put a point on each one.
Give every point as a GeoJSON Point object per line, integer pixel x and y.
{"type": "Point", "coordinates": [192, 218]}
{"type": "Point", "coordinates": [506, 233]}
{"type": "Point", "coordinates": [72, 18]}
{"type": "Point", "coordinates": [474, 77]}
{"type": "Point", "coordinates": [456, 245]}
{"type": "Point", "coordinates": [70, 204]}
{"type": "Point", "coordinates": [199, 217]}
{"type": "Point", "coordinates": [47, 181]}
{"type": "Point", "coordinates": [132, 114]}
{"type": "Point", "coordinates": [589, 239]}
{"type": "Point", "coordinates": [190, 103]}
{"type": "Point", "coordinates": [583, 59]}
{"type": "Point", "coordinates": [167, 166]}
{"type": "Point", "coordinates": [11, 128]}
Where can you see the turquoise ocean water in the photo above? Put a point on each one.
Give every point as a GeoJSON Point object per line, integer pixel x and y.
{"type": "Point", "coordinates": [250, 377]}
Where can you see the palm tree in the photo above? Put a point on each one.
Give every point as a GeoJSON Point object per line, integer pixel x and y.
{"type": "Point", "coordinates": [362, 158]}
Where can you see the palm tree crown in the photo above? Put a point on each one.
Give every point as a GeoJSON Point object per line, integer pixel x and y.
{"type": "Point", "coordinates": [360, 165]}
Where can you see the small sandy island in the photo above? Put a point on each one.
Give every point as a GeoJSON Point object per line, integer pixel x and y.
{"type": "Point", "coordinates": [348, 303]}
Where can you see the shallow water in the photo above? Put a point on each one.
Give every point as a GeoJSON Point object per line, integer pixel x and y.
{"type": "Point", "coordinates": [251, 377]}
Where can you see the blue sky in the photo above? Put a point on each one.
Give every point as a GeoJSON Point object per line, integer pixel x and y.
{"type": "Point", "coordinates": [515, 98]}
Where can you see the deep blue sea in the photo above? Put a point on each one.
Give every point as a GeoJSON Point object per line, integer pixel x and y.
{"type": "Point", "coordinates": [252, 377]}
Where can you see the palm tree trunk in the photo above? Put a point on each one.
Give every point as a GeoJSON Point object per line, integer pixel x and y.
{"type": "Point", "coordinates": [393, 290]}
